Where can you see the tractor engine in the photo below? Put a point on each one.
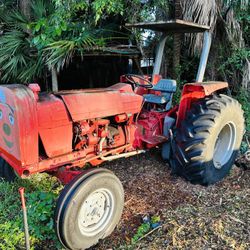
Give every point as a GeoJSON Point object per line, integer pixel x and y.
{"type": "Point", "coordinates": [90, 133]}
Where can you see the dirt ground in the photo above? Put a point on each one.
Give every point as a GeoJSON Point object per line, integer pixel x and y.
{"type": "Point", "coordinates": [192, 216]}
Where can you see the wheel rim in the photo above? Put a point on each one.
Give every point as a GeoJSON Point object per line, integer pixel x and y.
{"type": "Point", "coordinates": [96, 212]}
{"type": "Point", "coordinates": [225, 145]}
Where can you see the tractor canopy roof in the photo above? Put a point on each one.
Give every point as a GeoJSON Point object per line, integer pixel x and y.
{"type": "Point", "coordinates": [171, 26]}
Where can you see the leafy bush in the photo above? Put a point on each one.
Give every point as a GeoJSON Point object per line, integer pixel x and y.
{"type": "Point", "coordinates": [236, 61]}
{"type": "Point", "coordinates": [144, 228]}
{"type": "Point", "coordinates": [141, 231]}
{"type": "Point", "coordinates": [40, 206]}
{"type": "Point", "coordinates": [244, 98]}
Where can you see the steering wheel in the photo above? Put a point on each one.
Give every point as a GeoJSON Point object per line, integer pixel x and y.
{"type": "Point", "coordinates": [131, 80]}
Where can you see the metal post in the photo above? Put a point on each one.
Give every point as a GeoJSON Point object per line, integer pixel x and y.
{"type": "Point", "coordinates": [54, 79]}
{"type": "Point", "coordinates": [204, 56]}
{"type": "Point", "coordinates": [159, 55]}
{"type": "Point", "coordinates": [25, 220]}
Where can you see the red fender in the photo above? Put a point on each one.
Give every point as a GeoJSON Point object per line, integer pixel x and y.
{"type": "Point", "coordinates": [194, 91]}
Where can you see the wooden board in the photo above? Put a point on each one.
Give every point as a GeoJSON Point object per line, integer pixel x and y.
{"type": "Point", "coordinates": [171, 26]}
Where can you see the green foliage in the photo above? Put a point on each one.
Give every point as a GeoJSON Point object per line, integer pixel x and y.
{"type": "Point", "coordinates": [243, 16]}
{"type": "Point", "coordinates": [53, 35]}
{"type": "Point", "coordinates": [141, 231]}
{"type": "Point", "coordinates": [244, 98]}
{"type": "Point", "coordinates": [236, 61]}
{"type": "Point", "coordinates": [11, 234]}
{"type": "Point", "coordinates": [155, 219]}
{"type": "Point", "coordinates": [110, 7]}
{"type": "Point", "coordinates": [20, 60]}
{"type": "Point", "coordinates": [59, 30]}
{"type": "Point", "coordinates": [145, 227]}
{"type": "Point", "coordinates": [76, 27]}
{"type": "Point", "coordinates": [40, 206]}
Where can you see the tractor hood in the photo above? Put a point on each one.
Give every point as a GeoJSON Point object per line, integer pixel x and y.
{"type": "Point", "coordinates": [99, 103]}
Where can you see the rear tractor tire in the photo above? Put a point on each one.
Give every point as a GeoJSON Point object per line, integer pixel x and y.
{"type": "Point", "coordinates": [208, 140]}
{"type": "Point", "coordinates": [88, 209]}
{"type": "Point", "coordinates": [7, 173]}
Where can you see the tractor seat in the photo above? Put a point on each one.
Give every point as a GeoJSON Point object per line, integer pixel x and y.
{"type": "Point", "coordinates": [167, 87]}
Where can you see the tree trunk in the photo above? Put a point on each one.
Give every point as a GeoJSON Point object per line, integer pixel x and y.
{"type": "Point", "coordinates": [54, 80]}
{"type": "Point", "coordinates": [25, 7]}
{"type": "Point", "coordinates": [177, 41]}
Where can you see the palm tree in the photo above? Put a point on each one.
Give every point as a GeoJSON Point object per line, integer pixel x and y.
{"type": "Point", "coordinates": [25, 7]}
{"type": "Point", "coordinates": [220, 15]}
{"type": "Point", "coordinates": [177, 40]}
{"type": "Point", "coordinates": [20, 60]}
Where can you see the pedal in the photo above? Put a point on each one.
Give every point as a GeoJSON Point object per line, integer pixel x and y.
{"type": "Point", "coordinates": [155, 139]}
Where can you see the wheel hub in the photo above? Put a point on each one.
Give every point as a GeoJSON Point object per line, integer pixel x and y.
{"type": "Point", "coordinates": [95, 212]}
{"type": "Point", "coordinates": [93, 209]}
{"type": "Point", "coordinates": [225, 145]}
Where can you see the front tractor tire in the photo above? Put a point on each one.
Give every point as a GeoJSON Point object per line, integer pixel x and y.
{"type": "Point", "coordinates": [208, 140]}
{"type": "Point", "coordinates": [88, 209]}
{"type": "Point", "coordinates": [7, 173]}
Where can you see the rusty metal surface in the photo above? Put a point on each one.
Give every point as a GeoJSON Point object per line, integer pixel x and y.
{"type": "Point", "coordinates": [194, 91]}
{"type": "Point", "coordinates": [91, 104]}
{"type": "Point", "coordinates": [210, 87]}
{"type": "Point", "coordinates": [171, 26]}
{"type": "Point", "coordinates": [54, 125]}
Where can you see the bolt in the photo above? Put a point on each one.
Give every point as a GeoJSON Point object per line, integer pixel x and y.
{"type": "Point", "coordinates": [247, 155]}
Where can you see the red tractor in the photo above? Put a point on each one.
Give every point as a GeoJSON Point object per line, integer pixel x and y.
{"type": "Point", "coordinates": [59, 133]}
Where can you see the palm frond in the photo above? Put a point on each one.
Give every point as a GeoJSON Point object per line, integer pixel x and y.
{"type": "Point", "coordinates": [17, 57]}
{"type": "Point", "coordinates": [201, 12]}
{"type": "Point", "coordinates": [208, 12]}
{"type": "Point", "coordinates": [246, 75]}
{"type": "Point", "coordinates": [14, 19]}
{"type": "Point", "coordinates": [59, 53]}
{"type": "Point", "coordinates": [41, 8]}
{"type": "Point", "coordinates": [233, 29]}
{"type": "Point", "coordinates": [20, 60]}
